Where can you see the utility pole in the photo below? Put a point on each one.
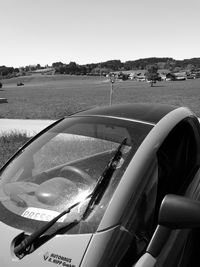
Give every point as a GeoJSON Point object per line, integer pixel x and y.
{"type": "Point", "coordinates": [100, 70]}
{"type": "Point", "coordinates": [112, 81]}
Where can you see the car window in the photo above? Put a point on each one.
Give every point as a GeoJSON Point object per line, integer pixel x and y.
{"type": "Point", "coordinates": [177, 161]}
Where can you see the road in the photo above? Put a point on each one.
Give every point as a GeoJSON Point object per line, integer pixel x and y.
{"type": "Point", "coordinates": [30, 127]}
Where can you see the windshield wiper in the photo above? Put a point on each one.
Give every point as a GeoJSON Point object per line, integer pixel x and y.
{"type": "Point", "coordinates": [25, 246]}
{"type": "Point", "coordinates": [104, 179]}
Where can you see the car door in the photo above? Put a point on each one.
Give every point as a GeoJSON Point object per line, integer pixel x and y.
{"type": "Point", "coordinates": [178, 173]}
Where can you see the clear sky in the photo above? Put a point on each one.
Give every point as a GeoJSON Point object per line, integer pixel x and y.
{"type": "Point", "coordinates": [87, 31]}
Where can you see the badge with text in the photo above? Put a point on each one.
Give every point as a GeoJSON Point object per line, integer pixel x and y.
{"type": "Point", "coordinates": [41, 214]}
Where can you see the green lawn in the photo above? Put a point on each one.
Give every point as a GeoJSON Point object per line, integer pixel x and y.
{"type": "Point", "coordinates": [9, 144]}
{"type": "Point", "coordinates": [51, 97]}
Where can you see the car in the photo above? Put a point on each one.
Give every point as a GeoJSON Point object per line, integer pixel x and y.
{"type": "Point", "coordinates": [20, 84]}
{"type": "Point", "coordinates": [103, 187]}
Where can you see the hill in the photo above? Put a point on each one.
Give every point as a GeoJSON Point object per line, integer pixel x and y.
{"type": "Point", "coordinates": [103, 68]}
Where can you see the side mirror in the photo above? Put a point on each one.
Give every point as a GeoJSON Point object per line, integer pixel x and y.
{"type": "Point", "coordinates": [178, 212]}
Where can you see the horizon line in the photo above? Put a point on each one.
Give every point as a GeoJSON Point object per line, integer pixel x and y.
{"type": "Point", "coordinates": [99, 62]}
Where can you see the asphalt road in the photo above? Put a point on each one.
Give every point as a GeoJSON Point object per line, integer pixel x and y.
{"type": "Point", "coordinates": [30, 127]}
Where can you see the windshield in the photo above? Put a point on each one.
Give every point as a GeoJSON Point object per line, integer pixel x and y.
{"type": "Point", "coordinates": [61, 167]}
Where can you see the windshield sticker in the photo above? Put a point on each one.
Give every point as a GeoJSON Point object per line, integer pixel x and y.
{"type": "Point", "coordinates": [58, 259]}
{"type": "Point", "coordinates": [41, 214]}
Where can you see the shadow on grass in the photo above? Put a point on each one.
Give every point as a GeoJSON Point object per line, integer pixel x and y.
{"type": "Point", "coordinates": [157, 86]}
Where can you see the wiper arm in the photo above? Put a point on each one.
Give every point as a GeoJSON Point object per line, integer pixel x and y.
{"type": "Point", "coordinates": [104, 179]}
{"type": "Point", "coordinates": [25, 246]}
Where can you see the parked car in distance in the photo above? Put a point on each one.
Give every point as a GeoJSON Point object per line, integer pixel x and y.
{"type": "Point", "coordinates": [20, 84]}
{"type": "Point", "coordinates": [88, 191]}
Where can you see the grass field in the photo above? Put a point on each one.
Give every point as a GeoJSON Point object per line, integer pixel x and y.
{"type": "Point", "coordinates": [9, 144]}
{"type": "Point", "coordinates": [51, 97]}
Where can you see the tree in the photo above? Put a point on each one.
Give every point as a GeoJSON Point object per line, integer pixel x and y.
{"type": "Point", "coordinates": [112, 64]}
{"type": "Point", "coordinates": [38, 66]}
{"type": "Point", "coordinates": [190, 67]}
{"type": "Point", "coordinates": [177, 69]}
{"type": "Point", "coordinates": [152, 74]}
{"type": "Point", "coordinates": [6, 71]}
{"type": "Point", "coordinates": [57, 64]}
{"type": "Point", "coordinates": [72, 68]}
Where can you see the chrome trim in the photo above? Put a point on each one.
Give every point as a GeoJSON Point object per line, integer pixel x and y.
{"type": "Point", "coordinates": [118, 118]}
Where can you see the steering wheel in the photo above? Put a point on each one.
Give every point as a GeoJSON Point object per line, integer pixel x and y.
{"type": "Point", "coordinates": [64, 172]}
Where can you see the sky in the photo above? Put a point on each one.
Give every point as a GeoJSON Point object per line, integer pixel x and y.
{"type": "Point", "coordinates": [90, 31]}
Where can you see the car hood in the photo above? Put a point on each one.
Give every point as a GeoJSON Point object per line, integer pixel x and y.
{"type": "Point", "coordinates": [63, 250]}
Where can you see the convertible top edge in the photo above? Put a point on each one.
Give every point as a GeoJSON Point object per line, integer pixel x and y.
{"type": "Point", "coordinates": [142, 112]}
{"type": "Point", "coordinates": [120, 118]}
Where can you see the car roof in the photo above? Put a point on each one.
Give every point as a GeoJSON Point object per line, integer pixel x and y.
{"type": "Point", "coordinates": [146, 112]}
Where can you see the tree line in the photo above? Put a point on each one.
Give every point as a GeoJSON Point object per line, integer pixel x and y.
{"type": "Point", "coordinates": [103, 68]}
